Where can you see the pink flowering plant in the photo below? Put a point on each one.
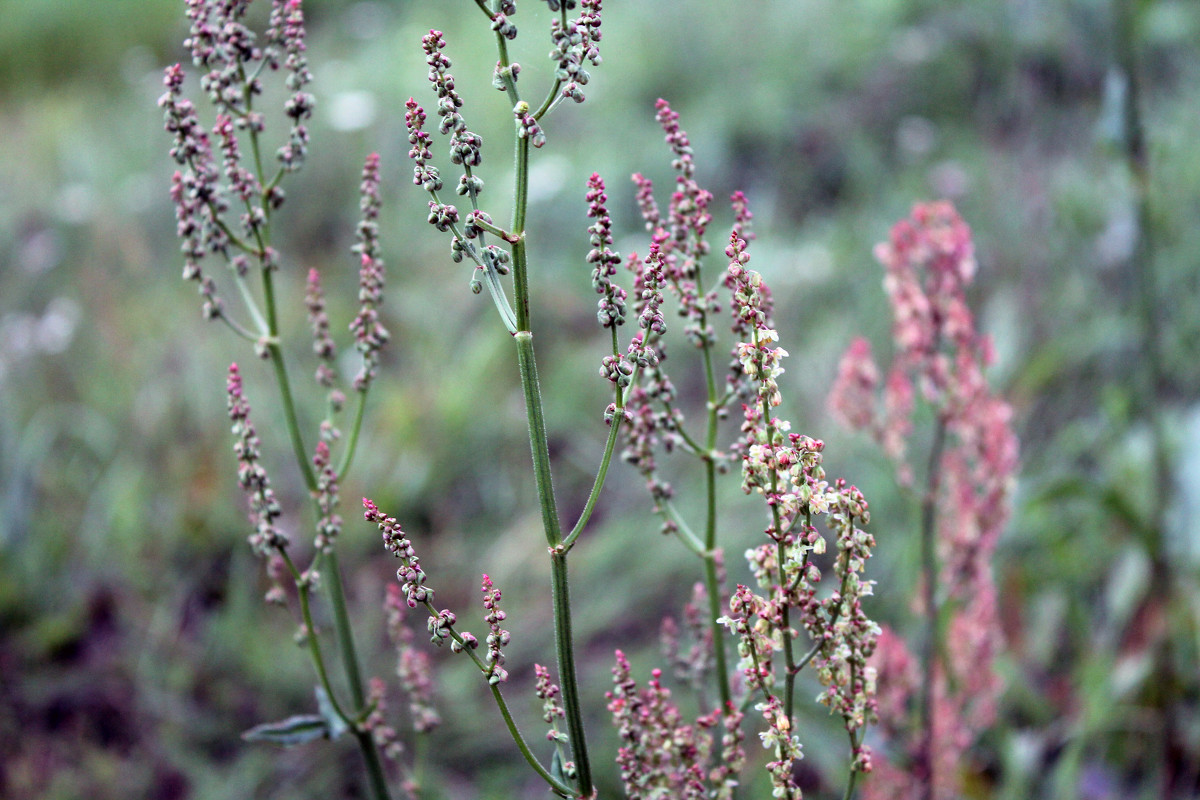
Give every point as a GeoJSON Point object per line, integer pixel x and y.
{"type": "Point", "coordinates": [940, 357]}
{"type": "Point", "coordinates": [806, 602]}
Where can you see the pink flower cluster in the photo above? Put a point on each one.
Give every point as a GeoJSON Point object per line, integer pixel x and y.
{"type": "Point", "coordinates": [413, 666]}
{"type": "Point", "coordinates": [648, 426]}
{"type": "Point", "coordinates": [681, 236]}
{"type": "Point", "coordinates": [929, 262]}
{"type": "Point", "coordinates": [660, 755]}
{"type": "Point", "coordinates": [786, 469]}
{"type": "Point", "coordinates": [369, 334]}
{"type": "Point", "coordinates": [575, 42]}
{"type": "Point", "coordinates": [395, 541]}
{"type": "Point", "coordinates": [330, 523]}
{"type": "Point", "coordinates": [552, 711]}
{"type": "Point", "coordinates": [611, 310]}
{"type": "Point", "coordinates": [693, 665]}
{"type": "Point", "coordinates": [232, 60]}
{"type": "Point", "coordinates": [497, 637]}
{"type": "Point", "coordinates": [264, 508]}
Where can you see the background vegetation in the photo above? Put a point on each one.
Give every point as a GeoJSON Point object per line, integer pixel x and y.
{"type": "Point", "coordinates": [134, 647]}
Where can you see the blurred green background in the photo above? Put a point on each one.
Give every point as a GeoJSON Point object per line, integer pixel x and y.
{"type": "Point", "coordinates": [134, 647]}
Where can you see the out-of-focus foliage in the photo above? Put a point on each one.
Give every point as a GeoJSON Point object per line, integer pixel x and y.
{"type": "Point", "coordinates": [134, 648]}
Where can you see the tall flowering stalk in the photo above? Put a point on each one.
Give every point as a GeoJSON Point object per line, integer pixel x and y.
{"type": "Point", "coordinates": [813, 526]}
{"type": "Point", "coordinates": [783, 467]}
{"type": "Point", "coordinates": [965, 503]}
{"type": "Point", "coordinates": [501, 263]}
{"type": "Point", "coordinates": [226, 193]}
{"type": "Point", "coordinates": [678, 246]}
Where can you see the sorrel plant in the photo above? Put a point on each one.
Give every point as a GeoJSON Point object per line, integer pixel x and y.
{"type": "Point", "coordinates": [227, 198]}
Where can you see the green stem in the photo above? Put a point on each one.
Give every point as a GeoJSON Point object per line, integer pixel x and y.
{"type": "Point", "coordinates": [712, 585]}
{"type": "Point", "coordinates": [343, 629]}
{"type": "Point", "coordinates": [686, 535]}
{"type": "Point", "coordinates": [809, 656]}
{"type": "Point", "coordinates": [854, 744]}
{"type": "Point", "coordinates": [598, 484]}
{"type": "Point", "coordinates": [789, 656]}
{"type": "Point", "coordinates": [314, 645]}
{"type": "Point", "coordinates": [237, 327]}
{"type": "Point", "coordinates": [352, 439]}
{"type": "Point", "coordinates": [564, 644]}
{"type": "Point", "coordinates": [560, 788]}
{"type": "Point", "coordinates": [285, 388]}
{"type": "Point", "coordinates": [374, 764]}
{"type": "Point", "coordinates": [538, 438]}
{"type": "Point", "coordinates": [519, 255]}
{"type": "Point", "coordinates": [350, 664]}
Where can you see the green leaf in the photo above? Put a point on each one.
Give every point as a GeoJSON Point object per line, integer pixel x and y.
{"type": "Point", "coordinates": [300, 729]}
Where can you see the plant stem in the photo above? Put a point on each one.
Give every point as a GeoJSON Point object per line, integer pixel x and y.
{"type": "Point", "coordinates": [352, 440]}
{"type": "Point", "coordinates": [314, 645]}
{"type": "Point", "coordinates": [601, 474]}
{"type": "Point", "coordinates": [337, 596]}
{"type": "Point", "coordinates": [564, 643]}
{"type": "Point", "coordinates": [556, 785]}
{"type": "Point", "coordinates": [712, 584]}
{"type": "Point", "coordinates": [540, 446]}
{"type": "Point", "coordinates": [285, 388]}
{"type": "Point", "coordinates": [1174, 758]}
{"type": "Point", "coordinates": [375, 773]}
{"type": "Point", "coordinates": [343, 630]}
{"type": "Point", "coordinates": [929, 647]}
{"type": "Point", "coordinates": [538, 438]}
{"type": "Point", "coordinates": [854, 744]}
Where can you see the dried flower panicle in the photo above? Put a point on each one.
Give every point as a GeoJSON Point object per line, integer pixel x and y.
{"type": "Point", "coordinates": [649, 405]}
{"type": "Point", "coordinates": [232, 60]}
{"type": "Point", "coordinates": [412, 578]}
{"type": "Point", "coordinates": [693, 665]}
{"type": "Point", "coordinates": [449, 101]}
{"type": "Point", "coordinates": [660, 755]}
{"type": "Point", "coordinates": [611, 306]}
{"type": "Point", "coordinates": [413, 666]}
{"type": "Point", "coordinates": [682, 234]}
{"type": "Point", "coordinates": [413, 582]}
{"type": "Point", "coordinates": [195, 189]}
{"type": "Point", "coordinates": [424, 175]}
{"type": "Point", "coordinates": [497, 637]}
{"type": "Point", "coordinates": [318, 322]}
{"type": "Point", "coordinates": [576, 41]}
{"type": "Point", "coordinates": [330, 523]}
{"type": "Point", "coordinates": [552, 711]}
{"type": "Point", "coordinates": [385, 736]}
{"type": "Point", "coordinates": [369, 334]}
{"type": "Point", "coordinates": [264, 508]}
{"type": "Point", "coordinates": [468, 232]}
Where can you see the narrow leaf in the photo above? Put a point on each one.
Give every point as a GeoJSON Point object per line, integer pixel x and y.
{"type": "Point", "coordinates": [290, 732]}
